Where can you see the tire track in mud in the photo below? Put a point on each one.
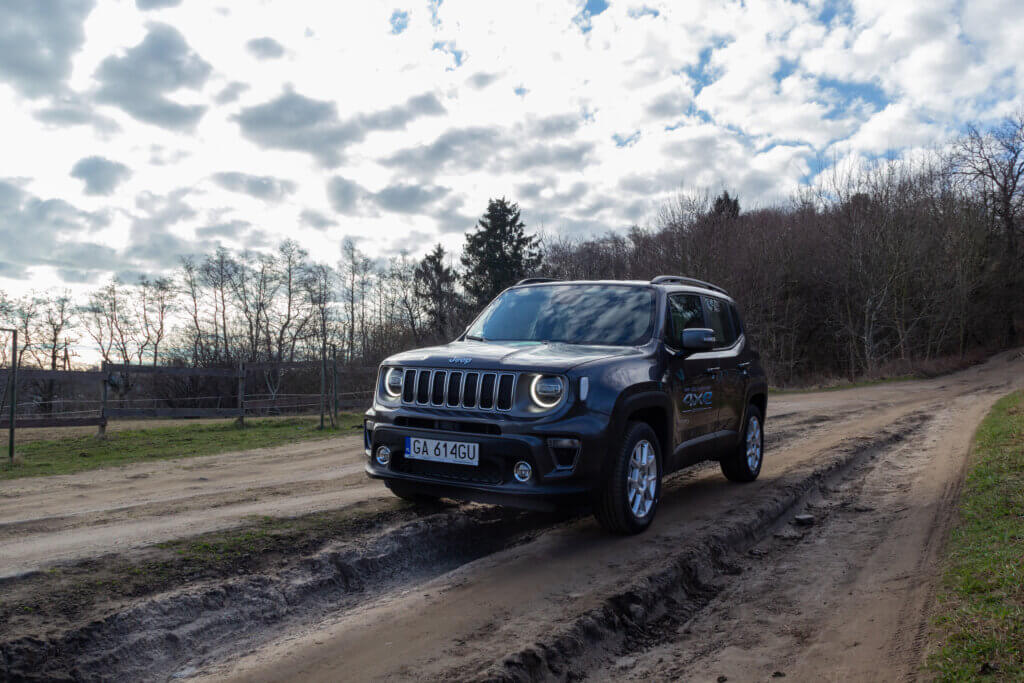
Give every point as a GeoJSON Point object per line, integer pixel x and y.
{"type": "Point", "coordinates": [642, 615]}
{"type": "Point", "coordinates": [159, 636]}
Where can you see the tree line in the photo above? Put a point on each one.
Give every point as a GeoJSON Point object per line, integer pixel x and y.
{"type": "Point", "coordinates": [892, 260]}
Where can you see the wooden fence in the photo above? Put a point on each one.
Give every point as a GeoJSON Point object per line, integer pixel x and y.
{"type": "Point", "coordinates": [329, 399]}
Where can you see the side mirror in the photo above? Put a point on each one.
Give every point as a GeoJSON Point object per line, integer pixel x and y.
{"type": "Point", "coordinates": [698, 339]}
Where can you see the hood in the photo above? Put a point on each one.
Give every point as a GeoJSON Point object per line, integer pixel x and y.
{"type": "Point", "coordinates": [541, 356]}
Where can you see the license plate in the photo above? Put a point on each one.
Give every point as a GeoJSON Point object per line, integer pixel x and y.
{"type": "Point", "coordinates": [455, 452]}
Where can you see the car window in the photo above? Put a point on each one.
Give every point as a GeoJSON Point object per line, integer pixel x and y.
{"type": "Point", "coordinates": [737, 323]}
{"type": "Point", "coordinates": [684, 313]}
{"type": "Point", "coordinates": [613, 315]}
{"type": "Point", "coordinates": [720, 320]}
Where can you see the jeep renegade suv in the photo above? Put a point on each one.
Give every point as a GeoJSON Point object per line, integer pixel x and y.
{"type": "Point", "coordinates": [558, 391]}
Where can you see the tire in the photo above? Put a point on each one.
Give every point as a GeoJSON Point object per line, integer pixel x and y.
{"type": "Point", "coordinates": [743, 464]}
{"type": "Point", "coordinates": [616, 502]}
{"type": "Point", "coordinates": [406, 492]}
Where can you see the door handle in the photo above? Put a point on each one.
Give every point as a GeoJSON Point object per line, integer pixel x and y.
{"type": "Point", "coordinates": [744, 365]}
{"type": "Point", "coordinates": [713, 370]}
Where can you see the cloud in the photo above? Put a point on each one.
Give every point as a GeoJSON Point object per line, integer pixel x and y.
{"type": "Point", "coordinates": [408, 198]}
{"type": "Point", "coordinates": [233, 229]}
{"type": "Point", "coordinates": [344, 194]}
{"type": "Point", "coordinates": [101, 176]}
{"type": "Point", "coordinates": [669, 104]}
{"type": "Point", "coordinates": [138, 82]}
{"type": "Point", "coordinates": [294, 122]}
{"type": "Point", "coordinates": [49, 232]}
{"type": "Point", "coordinates": [265, 48]}
{"type": "Point", "coordinates": [145, 5]}
{"type": "Point", "coordinates": [266, 188]}
{"type": "Point", "coordinates": [37, 41]}
{"type": "Point", "coordinates": [152, 239]}
{"type": "Point", "coordinates": [315, 219]}
{"type": "Point", "coordinates": [71, 110]}
{"type": "Point", "coordinates": [230, 92]}
{"type": "Point", "coordinates": [563, 156]}
{"type": "Point", "coordinates": [459, 149]}
{"type": "Point", "coordinates": [560, 125]}
{"type": "Point", "coordinates": [349, 197]}
{"type": "Point", "coordinates": [481, 80]}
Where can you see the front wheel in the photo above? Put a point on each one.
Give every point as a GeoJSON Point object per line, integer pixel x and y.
{"type": "Point", "coordinates": [744, 462]}
{"type": "Point", "coordinates": [627, 501]}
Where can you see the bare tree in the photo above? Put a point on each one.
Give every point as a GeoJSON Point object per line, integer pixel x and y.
{"type": "Point", "coordinates": [993, 161]}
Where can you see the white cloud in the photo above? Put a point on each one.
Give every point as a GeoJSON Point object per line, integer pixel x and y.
{"type": "Point", "coordinates": [333, 123]}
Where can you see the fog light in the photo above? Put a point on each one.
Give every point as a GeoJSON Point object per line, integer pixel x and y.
{"type": "Point", "coordinates": [383, 455]}
{"type": "Point", "coordinates": [522, 471]}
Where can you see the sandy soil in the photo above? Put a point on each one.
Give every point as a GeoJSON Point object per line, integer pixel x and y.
{"type": "Point", "coordinates": [44, 520]}
{"type": "Point", "coordinates": [724, 583]}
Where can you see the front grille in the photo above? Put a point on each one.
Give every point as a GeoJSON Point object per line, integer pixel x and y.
{"type": "Point", "coordinates": [449, 425]}
{"type": "Point", "coordinates": [460, 389]}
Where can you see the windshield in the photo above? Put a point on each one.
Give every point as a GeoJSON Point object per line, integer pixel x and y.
{"type": "Point", "coordinates": [613, 315]}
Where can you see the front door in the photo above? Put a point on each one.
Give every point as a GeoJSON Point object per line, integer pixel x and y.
{"type": "Point", "coordinates": [691, 382]}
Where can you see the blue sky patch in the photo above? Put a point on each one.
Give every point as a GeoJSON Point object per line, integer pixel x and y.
{"type": "Point", "coordinates": [449, 47]}
{"type": "Point", "coordinates": [399, 21]}
{"type": "Point", "coordinates": [644, 11]}
{"type": "Point", "coordinates": [590, 10]}
{"type": "Point", "coordinates": [627, 140]}
{"type": "Point", "coordinates": [846, 94]}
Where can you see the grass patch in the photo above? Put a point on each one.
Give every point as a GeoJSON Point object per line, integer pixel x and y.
{"type": "Point", "coordinates": [77, 454]}
{"type": "Point", "coordinates": [980, 624]}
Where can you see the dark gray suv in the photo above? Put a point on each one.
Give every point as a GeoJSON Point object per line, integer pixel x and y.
{"type": "Point", "coordinates": [574, 391]}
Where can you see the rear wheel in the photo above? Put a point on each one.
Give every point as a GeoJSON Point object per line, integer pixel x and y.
{"type": "Point", "coordinates": [406, 492]}
{"type": "Point", "coordinates": [627, 502]}
{"type": "Point", "coordinates": [744, 462]}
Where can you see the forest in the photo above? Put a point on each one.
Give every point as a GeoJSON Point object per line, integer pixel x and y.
{"type": "Point", "coordinates": [880, 264]}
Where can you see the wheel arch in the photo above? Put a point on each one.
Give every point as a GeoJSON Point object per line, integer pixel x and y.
{"type": "Point", "coordinates": [760, 400]}
{"type": "Point", "coordinates": [651, 407]}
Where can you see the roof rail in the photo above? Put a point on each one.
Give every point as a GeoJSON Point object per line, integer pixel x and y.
{"type": "Point", "coordinates": [680, 280]}
{"type": "Point", "coordinates": [533, 280]}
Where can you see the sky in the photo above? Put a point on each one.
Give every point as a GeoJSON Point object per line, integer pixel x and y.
{"type": "Point", "coordinates": [136, 132]}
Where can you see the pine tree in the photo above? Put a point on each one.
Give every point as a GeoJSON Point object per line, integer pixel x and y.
{"type": "Point", "coordinates": [726, 206]}
{"type": "Point", "coordinates": [499, 253]}
{"type": "Point", "coordinates": [434, 284]}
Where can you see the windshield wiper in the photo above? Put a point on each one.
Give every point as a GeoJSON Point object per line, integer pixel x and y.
{"type": "Point", "coordinates": [475, 338]}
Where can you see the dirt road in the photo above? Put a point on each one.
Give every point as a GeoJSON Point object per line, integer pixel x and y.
{"type": "Point", "coordinates": [724, 583]}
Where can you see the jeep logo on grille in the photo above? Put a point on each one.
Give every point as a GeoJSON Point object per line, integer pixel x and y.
{"type": "Point", "coordinates": [460, 360]}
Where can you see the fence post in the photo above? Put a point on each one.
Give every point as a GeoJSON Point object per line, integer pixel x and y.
{"type": "Point", "coordinates": [334, 385]}
{"type": "Point", "coordinates": [14, 394]}
{"type": "Point", "coordinates": [241, 395]}
{"type": "Point", "coordinates": [101, 431]}
{"type": "Point", "coordinates": [323, 382]}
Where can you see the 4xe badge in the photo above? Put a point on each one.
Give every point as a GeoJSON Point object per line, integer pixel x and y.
{"type": "Point", "coordinates": [695, 399]}
{"type": "Point", "coordinates": [460, 360]}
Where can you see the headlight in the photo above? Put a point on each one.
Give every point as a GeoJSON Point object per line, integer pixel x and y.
{"type": "Point", "coordinates": [547, 390]}
{"type": "Point", "coordinates": [393, 382]}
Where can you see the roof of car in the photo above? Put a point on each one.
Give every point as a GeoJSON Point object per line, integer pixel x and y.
{"type": "Point", "coordinates": [677, 285]}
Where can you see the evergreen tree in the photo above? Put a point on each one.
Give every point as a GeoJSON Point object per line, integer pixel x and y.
{"type": "Point", "coordinates": [434, 284]}
{"type": "Point", "coordinates": [499, 253]}
{"type": "Point", "coordinates": [726, 206]}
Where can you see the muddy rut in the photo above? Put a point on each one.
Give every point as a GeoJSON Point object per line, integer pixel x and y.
{"type": "Point", "coordinates": [724, 583]}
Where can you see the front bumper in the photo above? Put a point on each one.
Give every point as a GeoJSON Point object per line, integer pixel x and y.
{"type": "Point", "coordinates": [560, 474]}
